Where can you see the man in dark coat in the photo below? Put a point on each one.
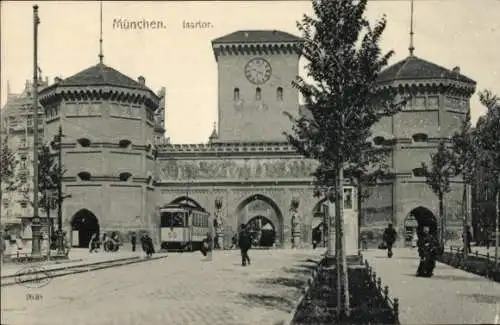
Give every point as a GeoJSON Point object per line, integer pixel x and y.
{"type": "Point", "coordinates": [133, 241]}
{"type": "Point", "coordinates": [468, 239]}
{"type": "Point", "coordinates": [389, 238]}
{"type": "Point", "coordinates": [428, 247]}
{"type": "Point", "coordinates": [206, 244]}
{"type": "Point", "coordinates": [244, 242]}
{"type": "Point", "coordinates": [147, 245]}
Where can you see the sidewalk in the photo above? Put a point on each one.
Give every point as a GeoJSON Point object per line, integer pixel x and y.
{"type": "Point", "coordinates": [451, 296]}
{"type": "Point", "coordinates": [77, 257]}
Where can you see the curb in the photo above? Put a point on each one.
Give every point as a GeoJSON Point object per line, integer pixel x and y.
{"type": "Point", "coordinates": [311, 281]}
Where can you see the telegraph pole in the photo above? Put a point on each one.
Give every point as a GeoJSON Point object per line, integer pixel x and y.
{"type": "Point", "coordinates": [35, 222]}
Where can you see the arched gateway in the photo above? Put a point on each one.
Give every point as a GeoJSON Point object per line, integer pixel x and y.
{"type": "Point", "coordinates": [83, 225]}
{"type": "Point", "coordinates": [264, 218]}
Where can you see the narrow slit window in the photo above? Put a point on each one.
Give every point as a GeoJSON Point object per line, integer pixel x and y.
{"type": "Point", "coordinates": [279, 94]}
{"type": "Point", "coordinates": [258, 94]}
{"type": "Point", "coordinates": [236, 94]}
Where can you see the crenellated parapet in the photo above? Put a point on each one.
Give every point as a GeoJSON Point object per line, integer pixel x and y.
{"type": "Point", "coordinates": [281, 148]}
{"type": "Point", "coordinates": [256, 42]}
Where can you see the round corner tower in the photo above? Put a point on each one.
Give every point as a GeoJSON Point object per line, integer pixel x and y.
{"type": "Point", "coordinates": [439, 100]}
{"type": "Point", "coordinates": [108, 125]}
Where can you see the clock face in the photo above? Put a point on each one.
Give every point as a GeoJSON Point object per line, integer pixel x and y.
{"type": "Point", "coordinates": [258, 71]}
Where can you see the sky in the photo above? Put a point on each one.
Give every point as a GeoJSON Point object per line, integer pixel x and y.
{"type": "Point", "coordinates": [450, 33]}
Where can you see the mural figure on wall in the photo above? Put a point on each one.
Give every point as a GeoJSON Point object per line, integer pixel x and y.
{"type": "Point", "coordinates": [295, 218]}
{"type": "Point", "coordinates": [218, 225]}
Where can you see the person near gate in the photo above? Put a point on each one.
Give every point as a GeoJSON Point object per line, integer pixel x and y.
{"type": "Point", "coordinates": [428, 250]}
{"type": "Point", "coordinates": [389, 238]}
{"type": "Point", "coordinates": [245, 242]}
{"type": "Point", "coordinates": [133, 241]}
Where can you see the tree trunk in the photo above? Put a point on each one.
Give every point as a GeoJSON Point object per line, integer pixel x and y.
{"type": "Point", "coordinates": [464, 215]}
{"type": "Point", "coordinates": [360, 214]}
{"type": "Point", "coordinates": [441, 218]}
{"type": "Point", "coordinates": [497, 199]}
{"type": "Point", "coordinates": [342, 275]}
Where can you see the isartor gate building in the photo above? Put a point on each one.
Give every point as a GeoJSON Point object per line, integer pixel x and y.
{"type": "Point", "coordinates": [120, 168]}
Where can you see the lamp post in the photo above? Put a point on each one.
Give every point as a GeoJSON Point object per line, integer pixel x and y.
{"type": "Point", "coordinates": [35, 221]}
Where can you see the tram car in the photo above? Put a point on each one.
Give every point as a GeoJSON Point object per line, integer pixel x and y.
{"type": "Point", "coordinates": [183, 226]}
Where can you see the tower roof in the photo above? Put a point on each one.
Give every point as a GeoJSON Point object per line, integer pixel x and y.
{"type": "Point", "coordinates": [257, 36]}
{"type": "Point", "coordinates": [414, 68]}
{"type": "Point", "coordinates": [100, 75]}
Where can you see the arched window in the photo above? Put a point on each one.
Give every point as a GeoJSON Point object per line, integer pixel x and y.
{"type": "Point", "coordinates": [279, 94]}
{"type": "Point", "coordinates": [125, 176]}
{"type": "Point", "coordinates": [418, 172]}
{"type": "Point", "coordinates": [124, 143]}
{"type": "Point", "coordinates": [258, 94]}
{"type": "Point", "coordinates": [420, 137]}
{"type": "Point", "coordinates": [378, 141]}
{"type": "Point", "coordinates": [236, 94]}
{"type": "Point", "coordinates": [84, 142]}
{"type": "Point", "coordinates": [84, 176]}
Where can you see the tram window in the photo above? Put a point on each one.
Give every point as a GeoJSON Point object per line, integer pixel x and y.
{"type": "Point", "coordinates": [170, 219]}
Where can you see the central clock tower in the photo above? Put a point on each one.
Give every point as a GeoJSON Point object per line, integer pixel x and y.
{"type": "Point", "coordinates": [255, 73]}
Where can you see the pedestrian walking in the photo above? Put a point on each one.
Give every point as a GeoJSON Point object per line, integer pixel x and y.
{"type": "Point", "coordinates": [133, 241]}
{"type": "Point", "coordinates": [94, 245]}
{"type": "Point", "coordinates": [428, 248]}
{"type": "Point", "coordinates": [205, 245]}
{"type": "Point", "coordinates": [245, 242]}
{"type": "Point", "coordinates": [147, 245]}
{"type": "Point", "coordinates": [389, 238]}
{"type": "Point", "coordinates": [468, 239]}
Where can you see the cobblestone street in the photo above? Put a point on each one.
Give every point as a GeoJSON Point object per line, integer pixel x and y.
{"type": "Point", "coordinates": [181, 289]}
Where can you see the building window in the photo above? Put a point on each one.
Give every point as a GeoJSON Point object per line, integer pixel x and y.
{"type": "Point", "coordinates": [279, 94]}
{"type": "Point", "coordinates": [84, 176]}
{"type": "Point", "coordinates": [419, 103]}
{"type": "Point", "coordinates": [23, 204]}
{"type": "Point", "coordinates": [433, 102]}
{"type": "Point", "coordinates": [420, 137]}
{"type": "Point", "coordinates": [418, 172]}
{"type": "Point", "coordinates": [236, 94]}
{"type": "Point", "coordinates": [85, 143]}
{"type": "Point", "coordinates": [379, 141]}
{"type": "Point", "coordinates": [125, 176]}
{"type": "Point", "coordinates": [258, 94]}
{"type": "Point", "coordinates": [150, 115]}
{"type": "Point", "coordinates": [124, 143]}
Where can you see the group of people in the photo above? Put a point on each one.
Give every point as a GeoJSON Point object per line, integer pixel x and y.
{"type": "Point", "coordinates": [429, 248]}
{"type": "Point", "coordinates": [113, 242]}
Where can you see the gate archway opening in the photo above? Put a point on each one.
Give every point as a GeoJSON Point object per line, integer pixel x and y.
{"type": "Point", "coordinates": [318, 224]}
{"type": "Point", "coordinates": [262, 230]}
{"type": "Point", "coordinates": [424, 218]}
{"type": "Point", "coordinates": [84, 224]}
{"type": "Point", "coordinates": [259, 207]}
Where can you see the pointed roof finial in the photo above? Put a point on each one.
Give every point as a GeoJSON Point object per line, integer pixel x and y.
{"type": "Point", "coordinates": [101, 56]}
{"type": "Point", "coordinates": [215, 125]}
{"type": "Point", "coordinates": [411, 48]}
{"type": "Point", "coordinates": [8, 87]}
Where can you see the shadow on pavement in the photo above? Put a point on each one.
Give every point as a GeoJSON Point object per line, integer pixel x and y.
{"type": "Point", "coordinates": [267, 301]}
{"type": "Point", "coordinates": [287, 282]}
{"type": "Point", "coordinates": [483, 299]}
{"type": "Point", "coordinates": [297, 279]}
{"type": "Point", "coordinates": [447, 277]}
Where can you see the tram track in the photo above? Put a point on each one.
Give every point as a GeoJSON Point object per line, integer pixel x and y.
{"type": "Point", "coordinates": [37, 275]}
